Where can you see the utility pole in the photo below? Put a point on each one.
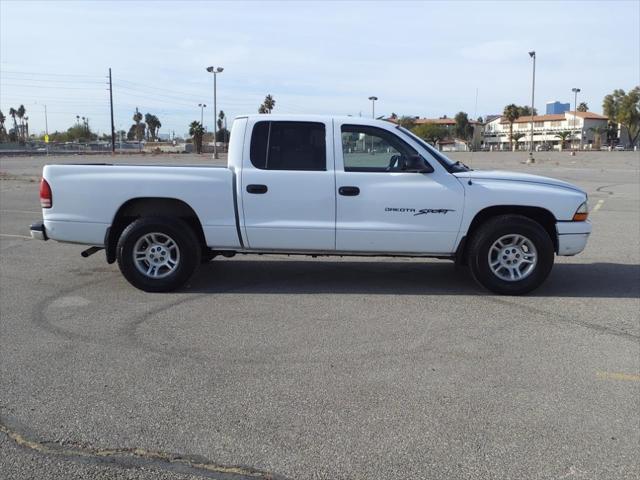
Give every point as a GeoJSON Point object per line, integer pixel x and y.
{"type": "Point", "coordinates": [113, 129]}
{"type": "Point", "coordinates": [46, 128]}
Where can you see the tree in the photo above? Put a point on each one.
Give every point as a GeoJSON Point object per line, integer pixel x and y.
{"type": "Point", "coordinates": [3, 131]}
{"type": "Point", "coordinates": [525, 111]}
{"type": "Point", "coordinates": [431, 132]}
{"type": "Point", "coordinates": [20, 113]}
{"type": "Point", "coordinates": [463, 128]}
{"type": "Point", "coordinates": [407, 122]}
{"type": "Point", "coordinates": [196, 130]}
{"type": "Point", "coordinates": [153, 125]}
{"type": "Point", "coordinates": [624, 108]}
{"type": "Point", "coordinates": [268, 105]}
{"type": "Point", "coordinates": [583, 107]}
{"type": "Point", "coordinates": [137, 131]}
{"type": "Point", "coordinates": [139, 128]}
{"type": "Point", "coordinates": [394, 116]}
{"type": "Point", "coordinates": [563, 136]}
{"type": "Point", "coordinates": [511, 113]}
{"type": "Point", "coordinates": [597, 136]}
{"type": "Point", "coordinates": [516, 137]}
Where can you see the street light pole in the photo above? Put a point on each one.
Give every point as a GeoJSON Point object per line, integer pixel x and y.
{"type": "Point", "coordinates": [373, 106]}
{"type": "Point", "coordinates": [575, 110]}
{"type": "Point", "coordinates": [373, 114]}
{"type": "Point", "coordinates": [202, 106]}
{"type": "Point", "coordinates": [532, 54]}
{"type": "Point", "coordinates": [215, 71]}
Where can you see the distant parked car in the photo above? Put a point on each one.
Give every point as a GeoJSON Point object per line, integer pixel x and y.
{"type": "Point", "coordinates": [543, 148]}
{"type": "Point", "coordinates": [619, 148]}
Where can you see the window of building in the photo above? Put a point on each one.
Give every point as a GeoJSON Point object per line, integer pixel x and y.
{"type": "Point", "coordinates": [372, 149]}
{"type": "Point", "coordinates": [288, 146]}
{"type": "Point", "coordinates": [538, 124]}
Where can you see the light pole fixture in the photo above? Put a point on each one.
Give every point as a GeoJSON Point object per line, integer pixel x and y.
{"type": "Point", "coordinates": [575, 110]}
{"type": "Point", "coordinates": [202, 107]}
{"type": "Point", "coordinates": [532, 54]}
{"type": "Point", "coordinates": [373, 106]}
{"type": "Point", "coordinates": [215, 71]}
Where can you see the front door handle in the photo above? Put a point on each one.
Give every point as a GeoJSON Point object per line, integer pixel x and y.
{"type": "Point", "coordinates": [349, 191]}
{"type": "Point", "coordinates": [257, 188]}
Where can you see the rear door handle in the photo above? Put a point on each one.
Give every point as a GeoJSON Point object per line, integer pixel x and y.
{"type": "Point", "coordinates": [349, 191]}
{"type": "Point", "coordinates": [257, 188]}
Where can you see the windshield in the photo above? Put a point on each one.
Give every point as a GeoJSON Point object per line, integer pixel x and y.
{"type": "Point", "coordinates": [446, 162]}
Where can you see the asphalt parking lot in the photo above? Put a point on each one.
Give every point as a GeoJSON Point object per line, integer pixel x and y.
{"type": "Point", "coordinates": [328, 368]}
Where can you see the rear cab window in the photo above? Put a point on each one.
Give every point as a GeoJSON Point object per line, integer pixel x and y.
{"type": "Point", "coordinates": [286, 145]}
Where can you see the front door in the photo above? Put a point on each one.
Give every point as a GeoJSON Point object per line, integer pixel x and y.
{"type": "Point", "coordinates": [383, 209]}
{"type": "Point", "coordinates": [288, 186]}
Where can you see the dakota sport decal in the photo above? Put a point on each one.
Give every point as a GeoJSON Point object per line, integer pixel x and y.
{"type": "Point", "coordinates": [422, 211]}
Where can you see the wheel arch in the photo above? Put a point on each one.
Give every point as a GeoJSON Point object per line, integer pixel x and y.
{"type": "Point", "coordinates": [149, 206]}
{"type": "Point", "coordinates": [539, 215]}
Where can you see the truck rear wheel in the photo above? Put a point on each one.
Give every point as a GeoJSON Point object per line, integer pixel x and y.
{"type": "Point", "coordinates": [158, 254]}
{"type": "Point", "coordinates": [511, 255]}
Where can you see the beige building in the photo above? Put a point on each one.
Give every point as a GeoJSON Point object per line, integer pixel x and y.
{"type": "Point", "coordinates": [545, 131]}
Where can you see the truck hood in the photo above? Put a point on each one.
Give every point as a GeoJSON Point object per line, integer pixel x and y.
{"type": "Point", "coordinates": [502, 176]}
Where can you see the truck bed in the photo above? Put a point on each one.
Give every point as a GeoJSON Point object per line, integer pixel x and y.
{"type": "Point", "coordinates": [87, 197]}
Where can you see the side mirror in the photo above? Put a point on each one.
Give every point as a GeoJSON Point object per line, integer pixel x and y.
{"type": "Point", "coordinates": [417, 164]}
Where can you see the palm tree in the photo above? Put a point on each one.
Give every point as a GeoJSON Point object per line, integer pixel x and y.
{"type": "Point", "coordinates": [262, 109]}
{"type": "Point", "coordinates": [137, 117]}
{"type": "Point", "coordinates": [268, 104]}
{"type": "Point", "coordinates": [511, 113]}
{"type": "Point", "coordinates": [3, 131]}
{"type": "Point", "coordinates": [13, 113]}
{"type": "Point", "coordinates": [583, 107]}
{"type": "Point", "coordinates": [196, 130]}
{"type": "Point", "coordinates": [153, 125]}
{"type": "Point", "coordinates": [563, 136]}
{"type": "Point", "coordinates": [516, 137]}
{"type": "Point", "coordinates": [220, 120]}
{"type": "Point", "coordinates": [20, 114]}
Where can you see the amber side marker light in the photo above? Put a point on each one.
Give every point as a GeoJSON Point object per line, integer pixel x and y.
{"type": "Point", "coordinates": [582, 213]}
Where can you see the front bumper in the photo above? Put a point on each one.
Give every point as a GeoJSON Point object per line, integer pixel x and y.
{"type": "Point", "coordinates": [38, 232]}
{"type": "Point", "coordinates": [572, 237]}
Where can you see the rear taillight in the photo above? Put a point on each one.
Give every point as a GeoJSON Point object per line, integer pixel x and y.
{"type": "Point", "coordinates": [46, 200]}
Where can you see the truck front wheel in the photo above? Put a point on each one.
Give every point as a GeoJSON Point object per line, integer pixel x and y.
{"type": "Point", "coordinates": [158, 254]}
{"type": "Point", "coordinates": [510, 255]}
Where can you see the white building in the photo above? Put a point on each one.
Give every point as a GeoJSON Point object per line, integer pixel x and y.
{"type": "Point", "coordinates": [545, 130]}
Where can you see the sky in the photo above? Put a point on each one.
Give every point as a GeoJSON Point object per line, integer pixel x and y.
{"type": "Point", "coordinates": [423, 58]}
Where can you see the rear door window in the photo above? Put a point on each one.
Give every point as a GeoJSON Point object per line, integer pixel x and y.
{"type": "Point", "coordinates": [284, 145]}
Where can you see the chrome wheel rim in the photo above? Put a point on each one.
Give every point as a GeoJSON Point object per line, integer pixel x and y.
{"type": "Point", "coordinates": [156, 255]}
{"type": "Point", "coordinates": [513, 258]}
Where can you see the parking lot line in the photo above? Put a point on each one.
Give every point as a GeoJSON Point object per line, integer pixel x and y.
{"type": "Point", "coordinates": [14, 236]}
{"type": "Point", "coordinates": [598, 205]}
{"type": "Point", "coordinates": [618, 376]}
{"type": "Point", "coordinates": [20, 211]}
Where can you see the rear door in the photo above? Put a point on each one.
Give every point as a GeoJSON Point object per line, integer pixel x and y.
{"type": "Point", "coordinates": [288, 185]}
{"type": "Point", "coordinates": [383, 209]}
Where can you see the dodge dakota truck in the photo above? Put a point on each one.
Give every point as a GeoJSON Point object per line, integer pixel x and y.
{"type": "Point", "coordinates": [316, 185]}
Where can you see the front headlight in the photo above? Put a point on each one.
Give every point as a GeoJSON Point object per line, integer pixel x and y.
{"type": "Point", "coordinates": [581, 213]}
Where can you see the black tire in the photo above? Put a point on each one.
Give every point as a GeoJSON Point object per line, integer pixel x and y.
{"type": "Point", "coordinates": [173, 277]}
{"type": "Point", "coordinates": [503, 226]}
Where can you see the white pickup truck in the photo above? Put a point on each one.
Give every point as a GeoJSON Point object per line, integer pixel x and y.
{"type": "Point", "coordinates": [316, 185]}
